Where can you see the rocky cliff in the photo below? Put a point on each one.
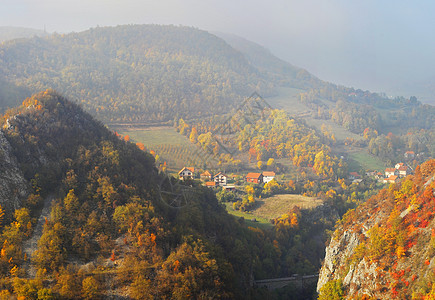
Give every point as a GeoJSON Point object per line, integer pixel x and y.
{"type": "Point", "coordinates": [385, 248]}
{"type": "Point", "coordinates": [13, 186]}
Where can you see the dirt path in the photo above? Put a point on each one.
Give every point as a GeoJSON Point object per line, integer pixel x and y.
{"type": "Point", "coordinates": [31, 244]}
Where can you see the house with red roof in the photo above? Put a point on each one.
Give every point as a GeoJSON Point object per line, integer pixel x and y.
{"type": "Point", "coordinates": [254, 177]}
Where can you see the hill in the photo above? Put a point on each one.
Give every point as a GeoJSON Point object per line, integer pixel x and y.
{"type": "Point", "coordinates": [385, 248]}
{"type": "Point", "coordinates": [135, 73]}
{"type": "Point", "coordinates": [10, 33]}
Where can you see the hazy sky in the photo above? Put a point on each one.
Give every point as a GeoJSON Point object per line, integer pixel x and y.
{"type": "Point", "coordinates": [381, 45]}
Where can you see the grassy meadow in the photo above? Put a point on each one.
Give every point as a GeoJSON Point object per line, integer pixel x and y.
{"type": "Point", "coordinates": [273, 207]}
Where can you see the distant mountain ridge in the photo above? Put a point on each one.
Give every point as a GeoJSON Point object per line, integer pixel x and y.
{"type": "Point", "coordinates": [142, 72]}
{"type": "Point", "coordinates": [10, 33]}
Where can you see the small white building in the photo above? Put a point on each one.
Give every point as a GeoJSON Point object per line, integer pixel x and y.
{"type": "Point", "coordinates": [186, 173]}
{"type": "Point", "coordinates": [268, 176]}
{"type": "Point", "coordinates": [220, 179]}
{"type": "Point", "coordinates": [403, 171]}
{"type": "Point", "coordinates": [391, 172]}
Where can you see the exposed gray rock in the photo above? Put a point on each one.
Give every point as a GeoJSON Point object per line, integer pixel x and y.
{"type": "Point", "coordinates": [13, 187]}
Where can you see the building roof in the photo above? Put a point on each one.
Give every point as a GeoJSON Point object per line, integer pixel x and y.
{"type": "Point", "coordinates": [191, 169]}
{"type": "Point", "coordinates": [392, 178]}
{"type": "Point", "coordinates": [220, 173]}
{"type": "Point", "coordinates": [206, 173]}
{"type": "Point", "coordinates": [410, 152]}
{"type": "Point", "coordinates": [403, 168]}
{"type": "Point", "coordinates": [269, 174]}
{"type": "Point", "coordinates": [253, 175]}
{"type": "Point", "coordinates": [354, 174]}
{"type": "Point", "coordinates": [210, 183]}
{"type": "Point", "coordinates": [390, 170]}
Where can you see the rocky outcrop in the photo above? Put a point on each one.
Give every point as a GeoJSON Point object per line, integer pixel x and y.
{"type": "Point", "coordinates": [13, 187]}
{"type": "Point", "coordinates": [385, 248]}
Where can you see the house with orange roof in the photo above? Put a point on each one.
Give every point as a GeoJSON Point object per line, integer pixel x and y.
{"type": "Point", "coordinates": [211, 184]}
{"type": "Point", "coordinates": [391, 179]}
{"type": "Point", "coordinates": [398, 165]}
{"type": "Point", "coordinates": [186, 173]}
{"type": "Point", "coordinates": [206, 176]}
{"type": "Point", "coordinates": [409, 154]}
{"type": "Point", "coordinates": [268, 176]}
{"type": "Point", "coordinates": [391, 172]}
{"type": "Point", "coordinates": [403, 171]}
{"type": "Point", "coordinates": [254, 177]}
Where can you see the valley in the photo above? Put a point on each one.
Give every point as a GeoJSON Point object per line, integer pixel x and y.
{"type": "Point", "coordinates": [165, 162]}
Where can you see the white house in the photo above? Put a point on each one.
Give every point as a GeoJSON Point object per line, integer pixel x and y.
{"type": "Point", "coordinates": [391, 172]}
{"type": "Point", "coordinates": [403, 171]}
{"type": "Point", "coordinates": [220, 179]}
{"type": "Point", "coordinates": [186, 173]}
{"type": "Point", "coordinates": [268, 176]}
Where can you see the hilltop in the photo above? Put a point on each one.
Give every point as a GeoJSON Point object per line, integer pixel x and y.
{"type": "Point", "coordinates": [10, 33]}
{"type": "Point", "coordinates": [135, 73]}
{"type": "Point", "coordinates": [385, 248]}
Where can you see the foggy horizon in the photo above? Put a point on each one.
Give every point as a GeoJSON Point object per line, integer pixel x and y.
{"type": "Point", "coordinates": [382, 47]}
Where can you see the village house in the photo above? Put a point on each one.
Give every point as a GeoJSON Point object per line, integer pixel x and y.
{"type": "Point", "coordinates": [409, 155]}
{"type": "Point", "coordinates": [254, 177]}
{"type": "Point", "coordinates": [398, 165]}
{"type": "Point", "coordinates": [206, 176]}
{"type": "Point", "coordinates": [211, 184]}
{"type": "Point", "coordinates": [391, 179]}
{"type": "Point", "coordinates": [220, 179]}
{"type": "Point", "coordinates": [229, 188]}
{"type": "Point", "coordinates": [391, 172]}
{"type": "Point", "coordinates": [403, 171]}
{"type": "Point", "coordinates": [268, 176]}
{"type": "Point", "coordinates": [354, 175]}
{"type": "Point", "coordinates": [379, 175]}
{"type": "Point", "coordinates": [186, 173]}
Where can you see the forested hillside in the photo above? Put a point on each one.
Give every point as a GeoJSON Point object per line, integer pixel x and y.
{"type": "Point", "coordinates": [135, 73]}
{"type": "Point", "coordinates": [385, 248]}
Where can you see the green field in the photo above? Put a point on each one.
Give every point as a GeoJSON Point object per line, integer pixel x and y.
{"type": "Point", "coordinates": [171, 147]}
{"type": "Point", "coordinates": [273, 207]}
{"type": "Point", "coordinates": [152, 136]}
{"type": "Point", "coordinates": [339, 132]}
{"type": "Point", "coordinates": [361, 159]}
{"type": "Point", "coordinates": [287, 99]}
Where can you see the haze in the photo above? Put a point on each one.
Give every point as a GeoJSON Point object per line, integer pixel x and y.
{"type": "Point", "coordinates": [385, 46]}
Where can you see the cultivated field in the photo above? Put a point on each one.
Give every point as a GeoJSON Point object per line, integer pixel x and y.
{"type": "Point", "coordinates": [362, 159]}
{"type": "Point", "coordinates": [274, 207]}
{"type": "Point", "coordinates": [152, 136]}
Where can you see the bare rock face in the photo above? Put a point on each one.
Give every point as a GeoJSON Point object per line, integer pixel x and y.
{"type": "Point", "coordinates": [339, 249]}
{"type": "Point", "coordinates": [13, 187]}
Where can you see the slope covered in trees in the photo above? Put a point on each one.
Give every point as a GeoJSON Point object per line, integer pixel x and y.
{"type": "Point", "coordinates": [385, 248]}
{"type": "Point", "coordinates": [135, 72]}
